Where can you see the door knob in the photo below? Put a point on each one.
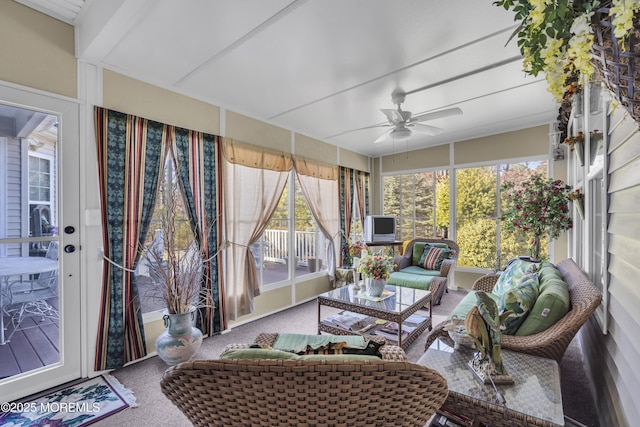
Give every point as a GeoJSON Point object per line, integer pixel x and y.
{"type": "Point", "coordinates": [69, 229]}
{"type": "Point", "coordinates": [69, 249]}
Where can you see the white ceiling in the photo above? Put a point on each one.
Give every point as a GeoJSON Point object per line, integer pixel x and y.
{"type": "Point", "coordinates": [322, 67]}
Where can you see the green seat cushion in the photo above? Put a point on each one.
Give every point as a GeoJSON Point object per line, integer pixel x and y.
{"type": "Point", "coordinates": [519, 299]}
{"type": "Point", "coordinates": [469, 301]}
{"type": "Point", "coordinates": [339, 357]}
{"type": "Point", "coordinates": [509, 278]}
{"type": "Point", "coordinates": [418, 249]}
{"type": "Point", "coordinates": [261, 353]}
{"type": "Point", "coordinates": [410, 280]}
{"type": "Point", "coordinates": [553, 304]}
{"type": "Point", "coordinates": [258, 353]}
{"type": "Point", "coordinates": [414, 269]}
{"type": "Point", "coordinates": [298, 343]}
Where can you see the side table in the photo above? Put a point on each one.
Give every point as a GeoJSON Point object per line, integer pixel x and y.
{"type": "Point", "coordinates": [533, 400]}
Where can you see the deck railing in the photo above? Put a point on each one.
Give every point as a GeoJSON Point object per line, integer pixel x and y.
{"type": "Point", "coordinates": [276, 245]}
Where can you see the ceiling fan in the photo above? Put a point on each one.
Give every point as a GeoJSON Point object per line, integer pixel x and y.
{"type": "Point", "coordinates": [404, 125]}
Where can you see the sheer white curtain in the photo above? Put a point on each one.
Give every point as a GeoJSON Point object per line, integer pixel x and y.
{"type": "Point", "coordinates": [319, 184]}
{"type": "Point", "coordinates": [253, 181]}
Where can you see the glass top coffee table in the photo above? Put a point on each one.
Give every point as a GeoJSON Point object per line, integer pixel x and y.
{"type": "Point", "coordinates": [533, 400]}
{"type": "Point", "coordinates": [399, 307]}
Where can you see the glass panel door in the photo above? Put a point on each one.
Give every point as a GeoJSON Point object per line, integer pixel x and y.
{"type": "Point", "coordinates": [39, 261]}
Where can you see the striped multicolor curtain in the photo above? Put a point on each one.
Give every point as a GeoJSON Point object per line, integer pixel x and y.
{"type": "Point", "coordinates": [196, 157]}
{"type": "Point", "coordinates": [131, 153]}
{"type": "Point", "coordinates": [352, 183]}
{"type": "Point", "coordinates": [345, 185]}
{"type": "Point", "coordinates": [361, 184]}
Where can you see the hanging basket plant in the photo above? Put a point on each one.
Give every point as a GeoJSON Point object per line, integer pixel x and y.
{"type": "Point", "coordinates": [576, 144]}
{"type": "Point", "coordinates": [571, 40]}
{"type": "Point", "coordinates": [616, 51]}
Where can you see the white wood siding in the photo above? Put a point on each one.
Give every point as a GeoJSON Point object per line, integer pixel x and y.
{"type": "Point", "coordinates": [612, 359]}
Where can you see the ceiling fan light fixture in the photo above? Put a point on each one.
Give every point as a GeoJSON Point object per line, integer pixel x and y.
{"type": "Point", "coordinates": [401, 134]}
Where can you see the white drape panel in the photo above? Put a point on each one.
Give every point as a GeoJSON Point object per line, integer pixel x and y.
{"type": "Point", "coordinates": [319, 184]}
{"type": "Point", "coordinates": [250, 197]}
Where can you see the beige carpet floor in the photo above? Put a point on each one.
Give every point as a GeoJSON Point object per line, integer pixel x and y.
{"type": "Point", "coordinates": [153, 409]}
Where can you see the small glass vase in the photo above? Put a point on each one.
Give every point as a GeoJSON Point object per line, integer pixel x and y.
{"type": "Point", "coordinates": [376, 287]}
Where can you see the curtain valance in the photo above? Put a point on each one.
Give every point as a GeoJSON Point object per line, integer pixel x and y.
{"type": "Point", "coordinates": [315, 169]}
{"type": "Point", "coordinates": [254, 156]}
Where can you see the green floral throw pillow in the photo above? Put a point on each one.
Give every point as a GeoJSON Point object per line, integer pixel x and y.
{"type": "Point", "coordinates": [520, 299]}
{"type": "Point", "coordinates": [512, 274]}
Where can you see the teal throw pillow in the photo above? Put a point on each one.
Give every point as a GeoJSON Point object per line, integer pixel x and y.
{"type": "Point", "coordinates": [519, 299]}
{"type": "Point", "coordinates": [433, 256]}
{"type": "Point", "coordinates": [512, 275]}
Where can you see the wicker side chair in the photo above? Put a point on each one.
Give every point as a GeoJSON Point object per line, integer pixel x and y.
{"type": "Point", "coordinates": [311, 392]}
{"type": "Point", "coordinates": [438, 284]}
{"type": "Point", "coordinates": [553, 342]}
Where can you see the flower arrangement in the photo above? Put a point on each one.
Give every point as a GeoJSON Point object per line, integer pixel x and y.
{"type": "Point", "coordinates": [575, 195]}
{"type": "Point", "coordinates": [538, 207]}
{"type": "Point", "coordinates": [556, 37]}
{"type": "Point", "coordinates": [376, 267]}
{"type": "Point", "coordinates": [573, 140]}
{"type": "Point", "coordinates": [356, 249]}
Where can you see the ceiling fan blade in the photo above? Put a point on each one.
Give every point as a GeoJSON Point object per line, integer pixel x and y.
{"type": "Point", "coordinates": [437, 115]}
{"type": "Point", "coordinates": [384, 136]}
{"type": "Point", "coordinates": [384, 125]}
{"type": "Point", "coordinates": [426, 129]}
{"type": "Point", "coordinates": [392, 115]}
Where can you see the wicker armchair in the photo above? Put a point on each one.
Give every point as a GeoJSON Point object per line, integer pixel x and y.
{"type": "Point", "coordinates": [438, 284]}
{"type": "Point", "coordinates": [310, 392]}
{"type": "Point", "coordinates": [553, 342]}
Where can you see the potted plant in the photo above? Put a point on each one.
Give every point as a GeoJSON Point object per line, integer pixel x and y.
{"type": "Point", "coordinates": [377, 269]}
{"type": "Point", "coordinates": [577, 197]}
{"type": "Point", "coordinates": [176, 273]}
{"type": "Point", "coordinates": [538, 207]}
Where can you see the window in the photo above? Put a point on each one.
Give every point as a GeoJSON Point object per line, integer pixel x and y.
{"type": "Point", "coordinates": [420, 201]}
{"type": "Point", "coordinates": [482, 242]}
{"type": "Point", "coordinates": [291, 245]}
{"type": "Point", "coordinates": [169, 188]}
{"type": "Point", "coordinates": [41, 222]}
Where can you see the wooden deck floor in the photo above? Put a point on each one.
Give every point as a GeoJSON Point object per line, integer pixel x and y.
{"type": "Point", "coordinates": [33, 347]}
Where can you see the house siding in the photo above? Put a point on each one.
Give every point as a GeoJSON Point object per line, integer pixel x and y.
{"type": "Point", "coordinates": [611, 359]}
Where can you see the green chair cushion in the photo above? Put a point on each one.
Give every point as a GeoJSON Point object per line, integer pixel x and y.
{"type": "Point", "coordinates": [414, 269]}
{"type": "Point", "coordinates": [298, 343]}
{"type": "Point", "coordinates": [410, 280]}
{"type": "Point", "coordinates": [552, 304]}
{"type": "Point", "coordinates": [519, 299]}
{"type": "Point", "coordinates": [339, 357]}
{"type": "Point", "coordinates": [418, 249]}
{"type": "Point", "coordinates": [469, 301]}
{"type": "Point", "coordinates": [257, 353]}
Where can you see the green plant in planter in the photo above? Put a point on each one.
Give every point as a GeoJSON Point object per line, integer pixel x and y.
{"type": "Point", "coordinates": [537, 207]}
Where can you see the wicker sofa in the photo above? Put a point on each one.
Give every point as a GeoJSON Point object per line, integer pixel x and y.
{"type": "Point", "coordinates": [409, 274]}
{"type": "Point", "coordinates": [553, 342]}
{"type": "Point", "coordinates": [321, 391]}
